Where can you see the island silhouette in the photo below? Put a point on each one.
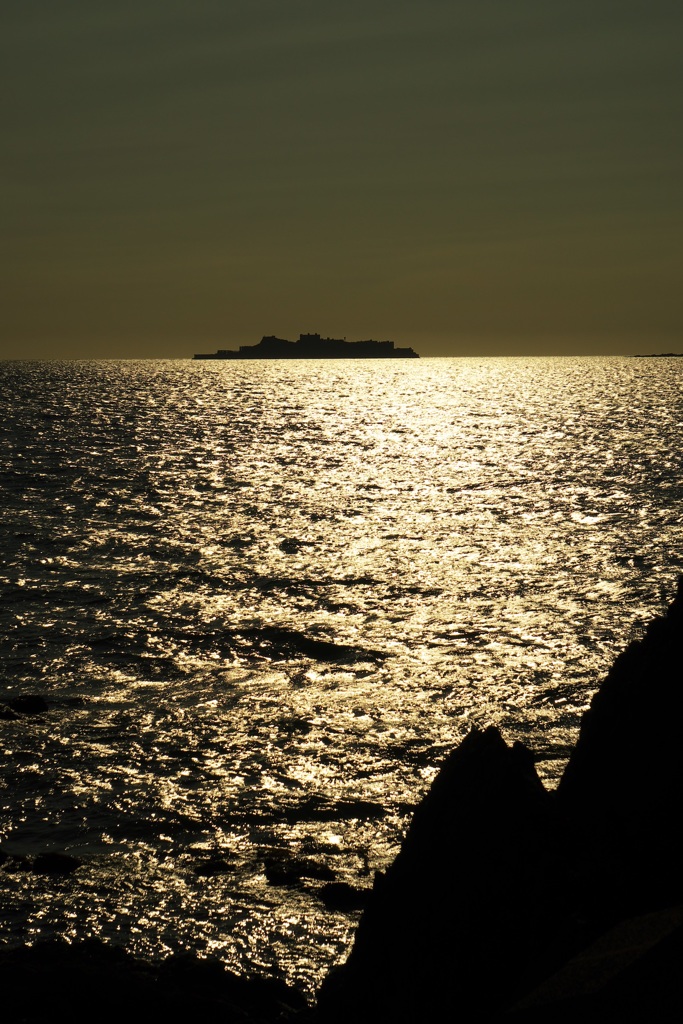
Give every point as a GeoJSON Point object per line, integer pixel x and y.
{"type": "Point", "coordinates": [312, 346]}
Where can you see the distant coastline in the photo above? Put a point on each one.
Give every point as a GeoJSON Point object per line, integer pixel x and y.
{"type": "Point", "coordinates": [312, 346]}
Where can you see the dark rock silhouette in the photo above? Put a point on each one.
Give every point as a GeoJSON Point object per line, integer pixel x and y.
{"type": "Point", "coordinates": [50, 863]}
{"type": "Point", "coordinates": [290, 870]}
{"type": "Point", "coordinates": [344, 897]}
{"type": "Point", "coordinates": [510, 902]}
{"type": "Point", "coordinates": [316, 808]}
{"type": "Point", "coordinates": [55, 864]}
{"type": "Point", "coordinates": [623, 785]}
{"type": "Point", "coordinates": [281, 644]}
{"type": "Point", "coordinates": [28, 704]}
{"type": "Point", "coordinates": [213, 866]}
{"type": "Point", "coordinates": [24, 704]}
{"type": "Point", "coordinates": [90, 981]}
{"type": "Point", "coordinates": [442, 922]}
{"type": "Point", "coordinates": [312, 346]}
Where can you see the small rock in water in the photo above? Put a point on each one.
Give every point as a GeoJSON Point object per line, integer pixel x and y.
{"type": "Point", "coordinates": [55, 864]}
{"type": "Point", "coordinates": [214, 866]}
{"type": "Point", "coordinates": [318, 809]}
{"type": "Point", "coordinates": [291, 545]}
{"type": "Point", "coordinates": [28, 704]}
{"type": "Point", "coordinates": [240, 542]}
{"type": "Point", "coordinates": [290, 872]}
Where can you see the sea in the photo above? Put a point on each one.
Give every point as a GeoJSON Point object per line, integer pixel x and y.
{"type": "Point", "coordinates": [261, 601]}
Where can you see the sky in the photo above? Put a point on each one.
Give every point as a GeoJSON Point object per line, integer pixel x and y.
{"type": "Point", "coordinates": [470, 177]}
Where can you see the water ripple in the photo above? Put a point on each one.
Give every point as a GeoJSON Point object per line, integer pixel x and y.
{"type": "Point", "coordinates": [262, 601]}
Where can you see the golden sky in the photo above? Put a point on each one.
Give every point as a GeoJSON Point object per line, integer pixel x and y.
{"type": "Point", "coordinates": [473, 177]}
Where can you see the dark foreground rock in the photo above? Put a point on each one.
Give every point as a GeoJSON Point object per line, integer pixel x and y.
{"type": "Point", "coordinates": [622, 790]}
{"type": "Point", "coordinates": [92, 982]}
{"type": "Point", "coordinates": [507, 902]}
{"type": "Point", "coordinates": [451, 912]}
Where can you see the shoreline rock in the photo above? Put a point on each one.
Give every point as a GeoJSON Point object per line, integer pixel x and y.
{"type": "Point", "coordinates": [54, 981]}
{"type": "Point", "coordinates": [500, 886]}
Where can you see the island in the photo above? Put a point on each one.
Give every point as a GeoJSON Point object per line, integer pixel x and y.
{"type": "Point", "coordinates": [312, 346]}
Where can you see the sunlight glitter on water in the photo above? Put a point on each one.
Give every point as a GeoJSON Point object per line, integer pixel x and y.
{"type": "Point", "coordinates": [263, 600]}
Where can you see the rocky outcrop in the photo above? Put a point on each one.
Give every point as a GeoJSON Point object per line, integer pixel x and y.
{"type": "Point", "coordinates": [500, 886]}
{"type": "Point", "coordinates": [623, 787]}
{"type": "Point", "coordinates": [461, 915]}
{"type": "Point", "coordinates": [53, 981]}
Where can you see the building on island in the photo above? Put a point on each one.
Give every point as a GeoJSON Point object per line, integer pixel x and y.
{"type": "Point", "coordinates": [312, 346]}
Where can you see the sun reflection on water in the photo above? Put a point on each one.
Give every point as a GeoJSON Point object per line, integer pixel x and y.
{"type": "Point", "coordinates": [263, 601]}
